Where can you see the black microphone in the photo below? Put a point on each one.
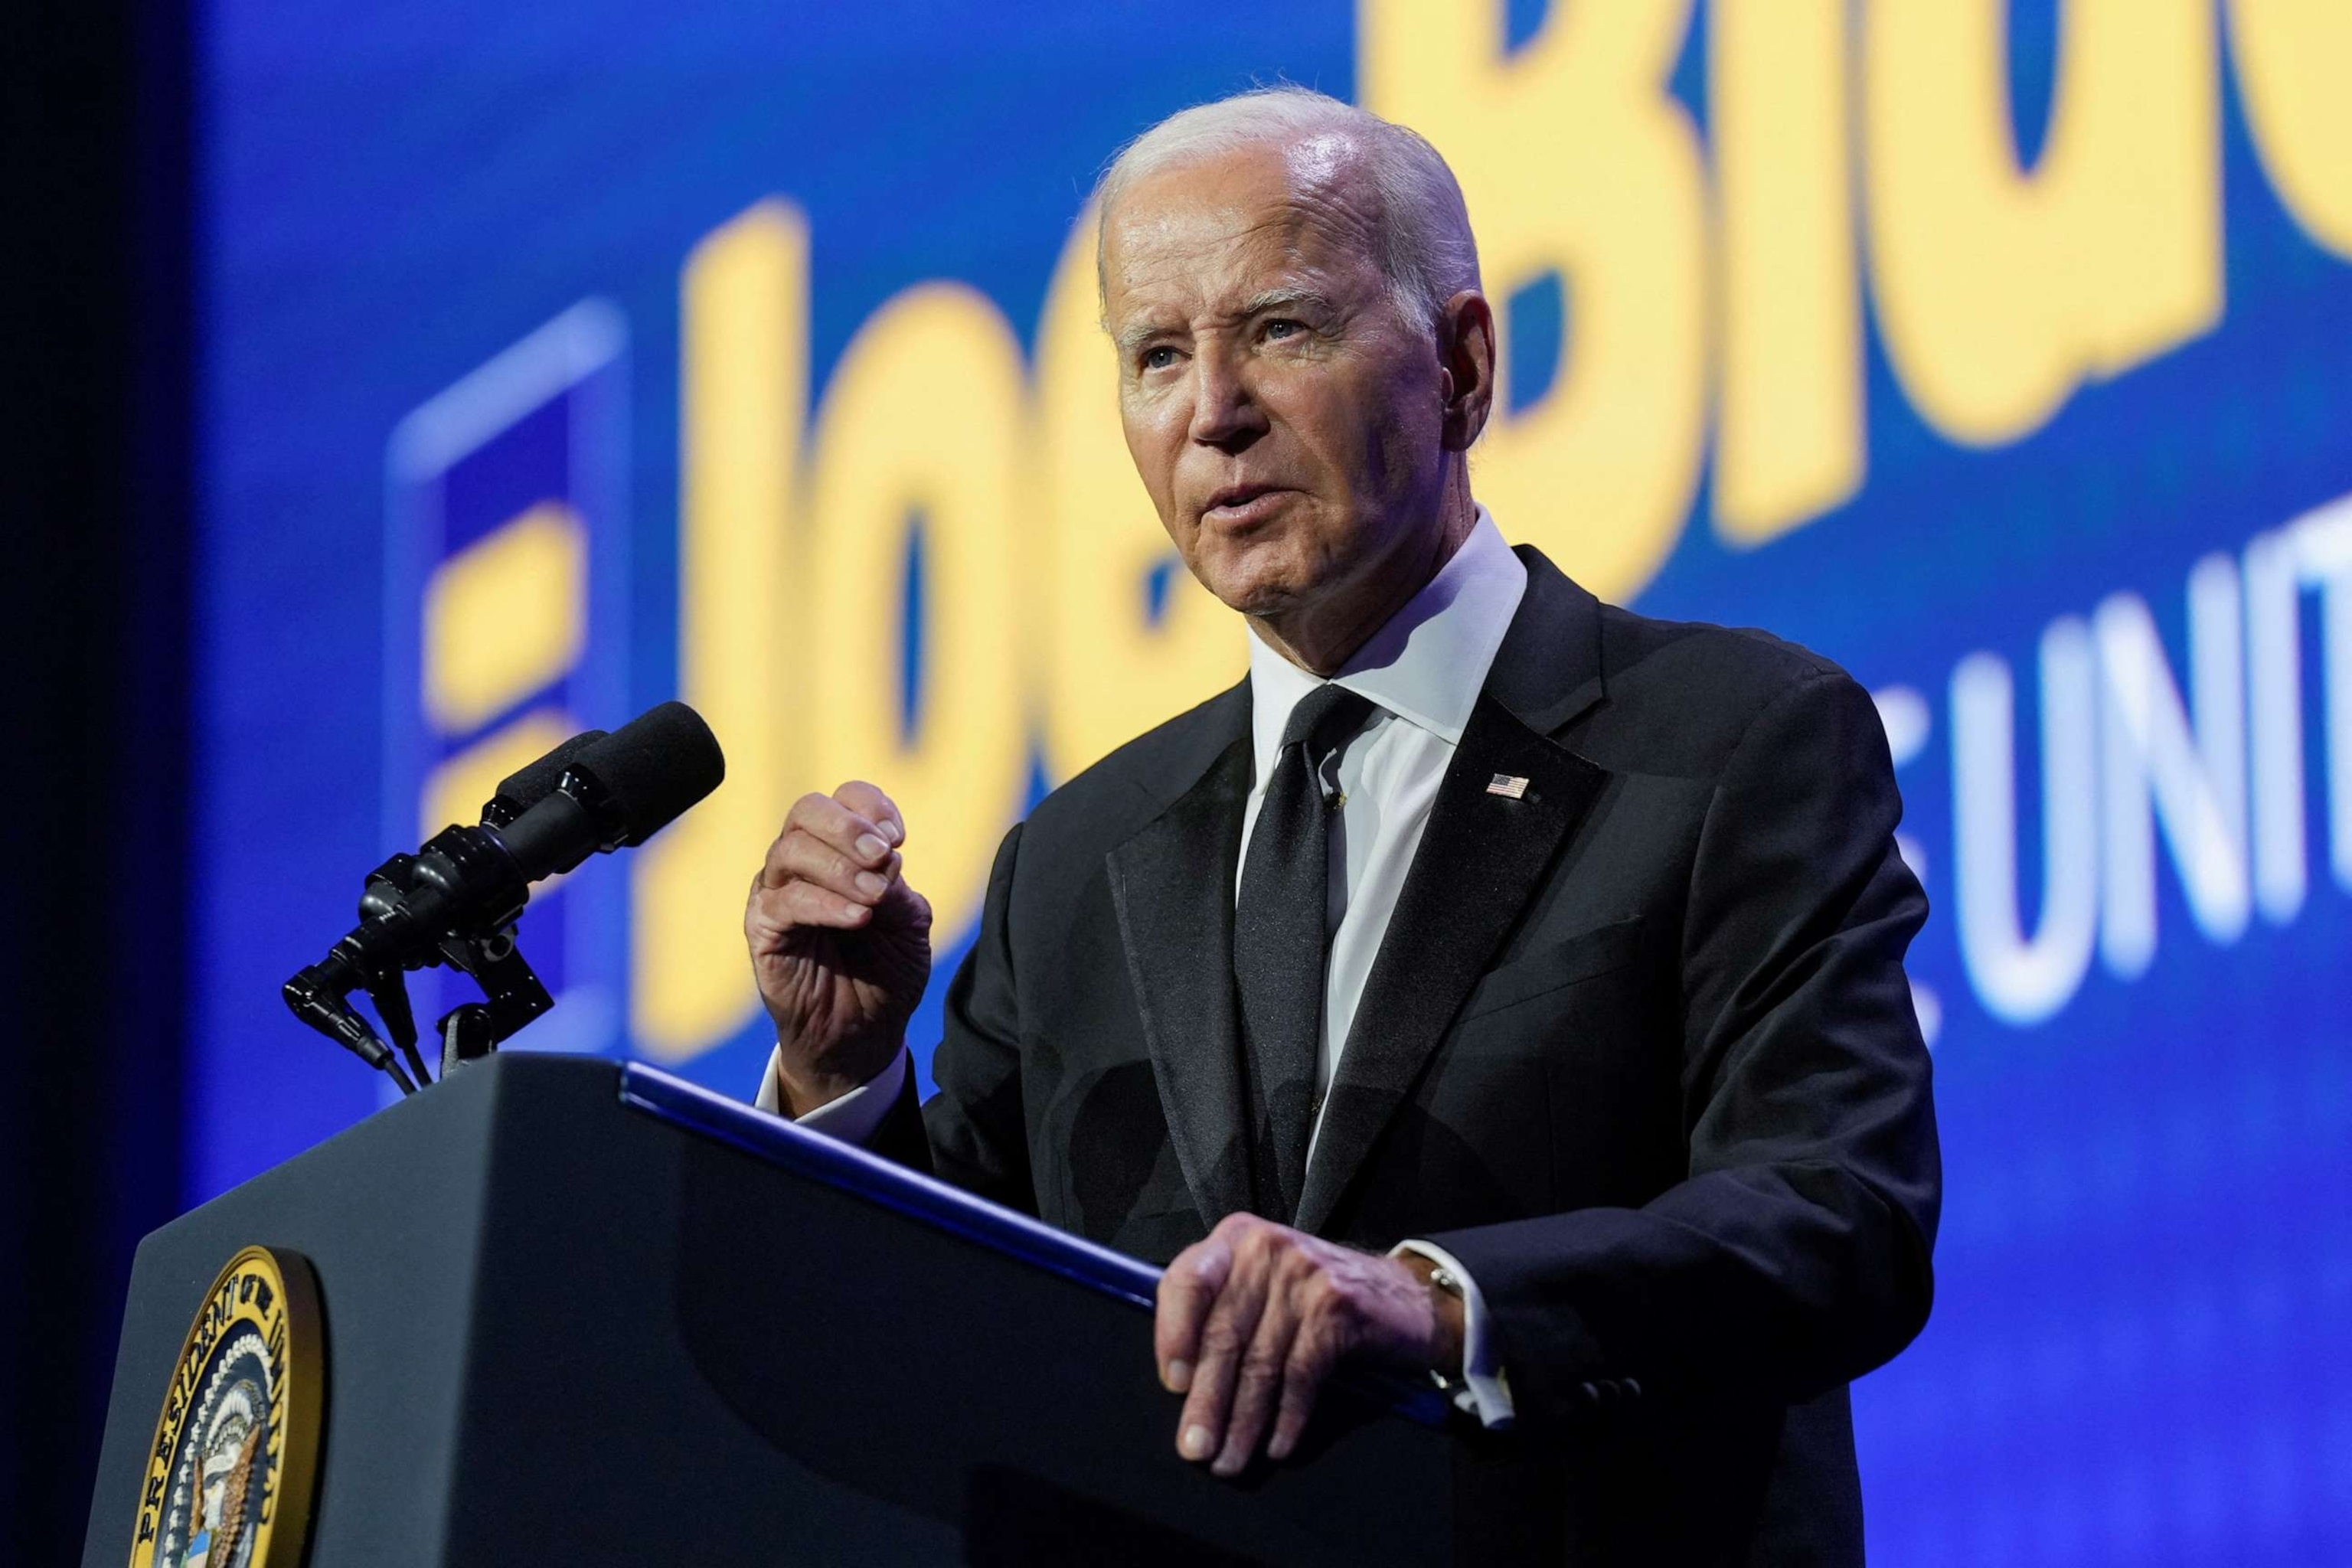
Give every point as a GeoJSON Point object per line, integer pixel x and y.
{"type": "Point", "coordinates": [526, 786]}
{"type": "Point", "coordinates": [606, 792]}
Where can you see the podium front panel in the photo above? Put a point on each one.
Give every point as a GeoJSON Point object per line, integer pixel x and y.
{"type": "Point", "coordinates": [581, 1313]}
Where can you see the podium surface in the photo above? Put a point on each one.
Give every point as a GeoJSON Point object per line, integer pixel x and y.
{"type": "Point", "coordinates": [578, 1311]}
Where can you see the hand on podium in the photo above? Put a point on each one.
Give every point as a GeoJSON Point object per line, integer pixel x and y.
{"type": "Point", "coordinates": [840, 944]}
{"type": "Point", "coordinates": [1252, 1321]}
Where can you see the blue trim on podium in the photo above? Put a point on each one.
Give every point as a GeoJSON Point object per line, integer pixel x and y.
{"type": "Point", "coordinates": [932, 1201]}
{"type": "Point", "coordinates": [845, 1165]}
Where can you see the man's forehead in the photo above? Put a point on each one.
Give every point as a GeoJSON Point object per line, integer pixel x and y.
{"type": "Point", "coordinates": [1267, 212]}
{"type": "Point", "coordinates": [1205, 200]}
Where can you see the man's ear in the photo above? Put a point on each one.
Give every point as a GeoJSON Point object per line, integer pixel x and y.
{"type": "Point", "coordinates": [1465, 348]}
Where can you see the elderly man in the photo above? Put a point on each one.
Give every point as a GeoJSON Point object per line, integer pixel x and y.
{"type": "Point", "coordinates": [1495, 981]}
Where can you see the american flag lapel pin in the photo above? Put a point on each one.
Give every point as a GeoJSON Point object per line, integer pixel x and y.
{"type": "Point", "coordinates": [1506, 786]}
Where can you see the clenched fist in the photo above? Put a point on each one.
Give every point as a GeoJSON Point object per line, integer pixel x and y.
{"type": "Point", "coordinates": [840, 945]}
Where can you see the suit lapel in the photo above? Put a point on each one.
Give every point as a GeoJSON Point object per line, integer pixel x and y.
{"type": "Point", "coordinates": [1172, 887]}
{"type": "Point", "coordinates": [1480, 858]}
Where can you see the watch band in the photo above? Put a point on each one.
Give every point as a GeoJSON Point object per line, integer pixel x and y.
{"type": "Point", "coordinates": [1444, 1281]}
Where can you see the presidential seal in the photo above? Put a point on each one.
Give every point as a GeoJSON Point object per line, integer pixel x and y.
{"type": "Point", "coordinates": [229, 1474]}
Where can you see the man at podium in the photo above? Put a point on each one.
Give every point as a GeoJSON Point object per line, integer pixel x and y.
{"type": "Point", "coordinates": [1495, 981]}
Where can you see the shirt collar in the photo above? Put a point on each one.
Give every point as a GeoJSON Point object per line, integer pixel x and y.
{"type": "Point", "coordinates": [1426, 664]}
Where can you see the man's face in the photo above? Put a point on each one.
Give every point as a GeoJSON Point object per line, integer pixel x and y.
{"type": "Point", "coordinates": [1286, 415]}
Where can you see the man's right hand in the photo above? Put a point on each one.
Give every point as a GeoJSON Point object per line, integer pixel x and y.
{"type": "Point", "coordinates": [840, 944]}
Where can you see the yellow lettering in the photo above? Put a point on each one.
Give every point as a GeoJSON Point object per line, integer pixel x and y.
{"type": "Point", "coordinates": [743, 343]}
{"type": "Point", "coordinates": [1789, 446]}
{"type": "Point", "coordinates": [1999, 290]}
{"type": "Point", "coordinates": [1574, 160]}
{"type": "Point", "coordinates": [2294, 58]}
{"type": "Point", "coordinates": [917, 449]}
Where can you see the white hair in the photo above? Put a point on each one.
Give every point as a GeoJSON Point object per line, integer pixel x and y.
{"type": "Point", "coordinates": [1424, 246]}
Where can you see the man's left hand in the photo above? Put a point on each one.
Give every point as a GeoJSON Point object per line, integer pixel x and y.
{"type": "Point", "coordinates": [1254, 1319]}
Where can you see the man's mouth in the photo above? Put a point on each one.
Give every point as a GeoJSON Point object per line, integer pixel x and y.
{"type": "Point", "coordinates": [1243, 503]}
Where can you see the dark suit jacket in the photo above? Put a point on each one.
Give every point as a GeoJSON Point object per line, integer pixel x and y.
{"type": "Point", "coordinates": [1638, 1049]}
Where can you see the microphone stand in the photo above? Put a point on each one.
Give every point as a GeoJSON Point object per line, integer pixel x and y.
{"type": "Point", "coordinates": [515, 994]}
{"type": "Point", "coordinates": [319, 996]}
{"type": "Point", "coordinates": [456, 899]}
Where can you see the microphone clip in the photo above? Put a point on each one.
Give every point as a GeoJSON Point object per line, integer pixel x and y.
{"type": "Point", "coordinates": [514, 993]}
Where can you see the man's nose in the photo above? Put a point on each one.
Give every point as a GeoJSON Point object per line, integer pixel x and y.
{"type": "Point", "coordinates": [1225, 409]}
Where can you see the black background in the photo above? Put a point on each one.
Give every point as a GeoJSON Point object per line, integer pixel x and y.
{"type": "Point", "coordinates": [95, 498]}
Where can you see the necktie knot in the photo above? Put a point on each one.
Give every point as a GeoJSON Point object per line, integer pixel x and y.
{"type": "Point", "coordinates": [1323, 718]}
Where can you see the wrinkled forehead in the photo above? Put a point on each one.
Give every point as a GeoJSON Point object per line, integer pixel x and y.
{"type": "Point", "coordinates": [1239, 221]}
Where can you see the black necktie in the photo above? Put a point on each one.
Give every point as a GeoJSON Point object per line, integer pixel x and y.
{"type": "Point", "coordinates": [1280, 939]}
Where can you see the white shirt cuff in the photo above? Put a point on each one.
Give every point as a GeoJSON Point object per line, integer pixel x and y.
{"type": "Point", "coordinates": [1484, 1391]}
{"type": "Point", "coordinates": [857, 1116]}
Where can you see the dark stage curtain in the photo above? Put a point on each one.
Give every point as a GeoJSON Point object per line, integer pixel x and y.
{"type": "Point", "coordinates": [94, 660]}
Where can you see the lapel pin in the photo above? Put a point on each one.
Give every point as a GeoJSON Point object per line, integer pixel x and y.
{"type": "Point", "coordinates": [1506, 786]}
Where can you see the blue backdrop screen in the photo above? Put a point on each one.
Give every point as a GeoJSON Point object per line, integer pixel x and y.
{"type": "Point", "coordinates": [557, 363]}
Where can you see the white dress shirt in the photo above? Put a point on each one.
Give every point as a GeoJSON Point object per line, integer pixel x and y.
{"type": "Point", "coordinates": [1423, 670]}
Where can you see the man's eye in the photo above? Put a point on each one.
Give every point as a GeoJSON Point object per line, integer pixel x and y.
{"type": "Point", "coordinates": [1160, 358]}
{"type": "Point", "coordinates": [1283, 329]}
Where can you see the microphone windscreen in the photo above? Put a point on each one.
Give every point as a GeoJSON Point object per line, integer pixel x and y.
{"type": "Point", "coordinates": [526, 786]}
{"type": "Point", "coordinates": [655, 766]}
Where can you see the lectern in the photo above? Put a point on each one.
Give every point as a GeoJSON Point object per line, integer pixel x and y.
{"type": "Point", "coordinates": [574, 1311]}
